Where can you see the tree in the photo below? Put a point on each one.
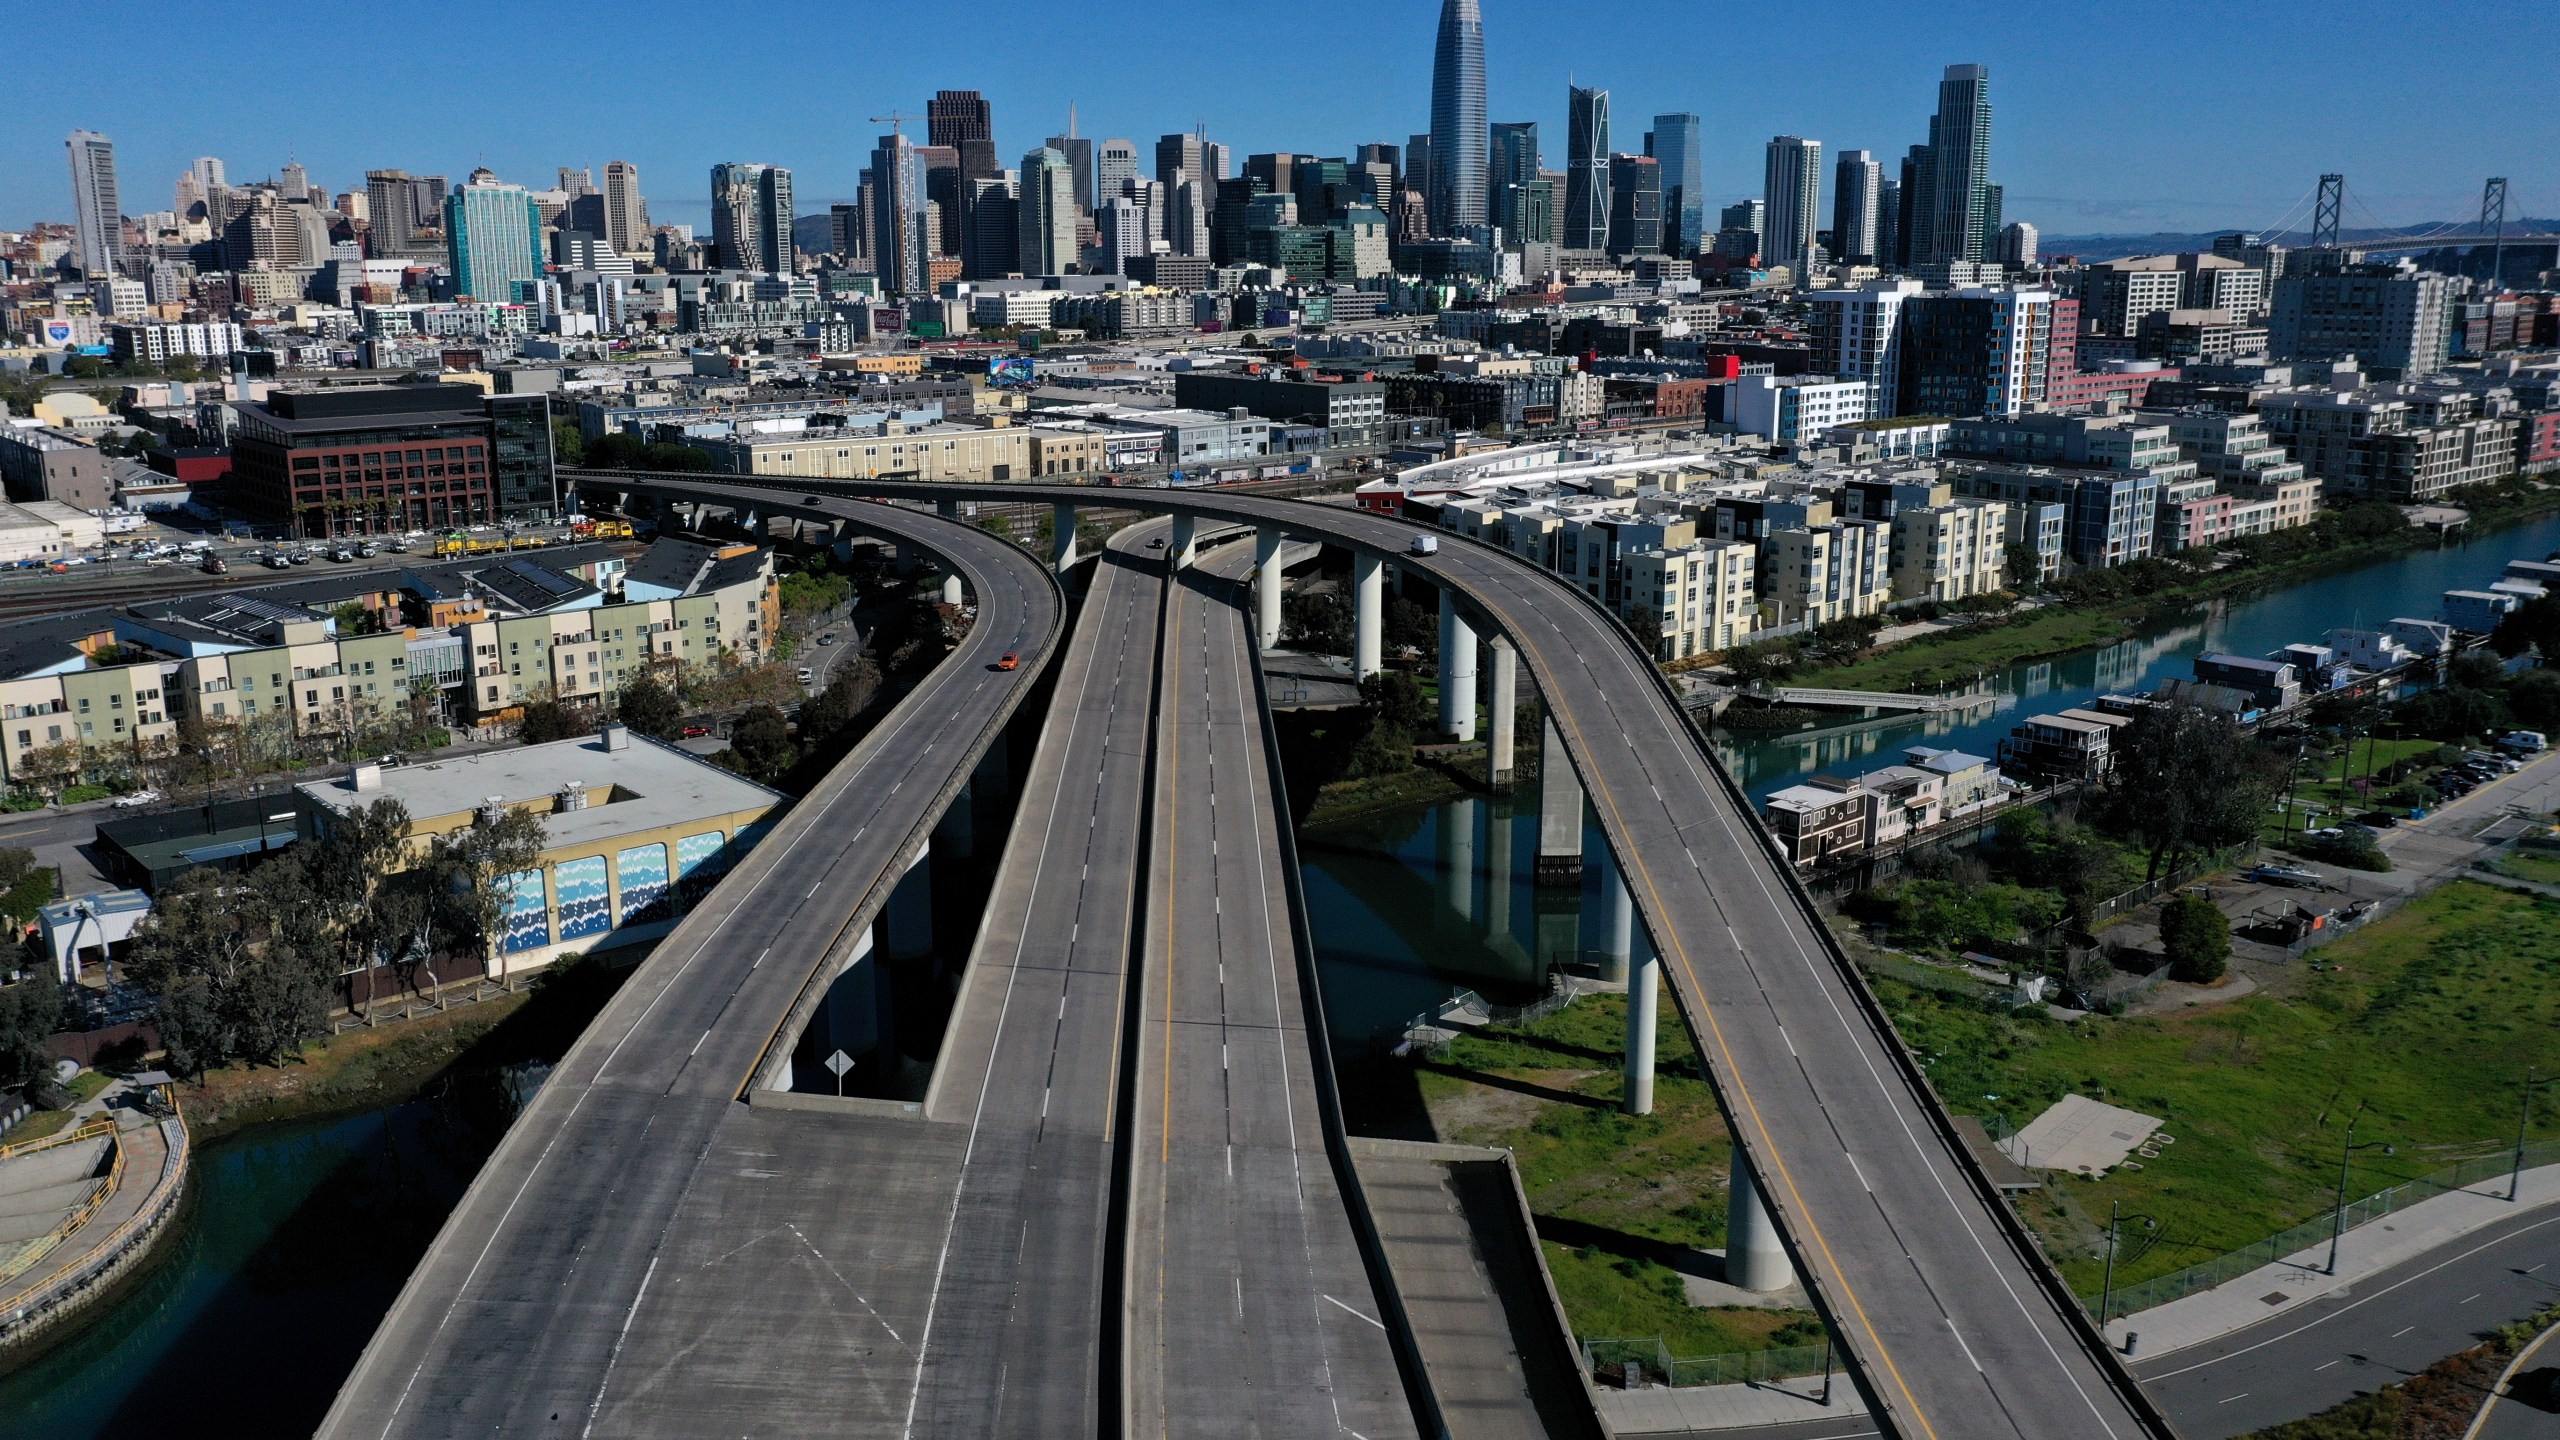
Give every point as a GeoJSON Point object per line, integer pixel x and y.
{"type": "Point", "coordinates": [2023, 565]}
{"type": "Point", "coordinates": [232, 966]}
{"type": "Point", "coordinates": [1410, 626]}
{"type": "Point", "coordinates": [30, 1011]}
{"type": "Point", "coordinates": [548, 719]}
{"type": "Point", "coordinates": [2186, 781]}
{"type": "Point", "coordinates": [2196, 936]}
{"type": "Point", "coordinates": [648, 706]}
{"type": "Point", "coordinates": [2531, 626]}
{"type": "Point", "coordinates": [470, 870]}
{"type": "Point", "coordinates": [760, 745]}
{"type": "Point", "coordinates": [1316, 624]}
{"type": "Point", "coordinates": [568, 442]}
{"type": "Point", "coordinates": [834, 710]}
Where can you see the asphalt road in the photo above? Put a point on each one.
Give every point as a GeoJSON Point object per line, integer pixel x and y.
{"type": "Point", "coordinates": [1013, 1343]}
{"type": "Point", "coordinates": [645, 1255]}
{"type": "Point", "coordinates": [1948, 1314]}
{"type": "Point", "coordinates": [1248, 1310]}
{"type": "Point", "coordinates": [2385, 1330]}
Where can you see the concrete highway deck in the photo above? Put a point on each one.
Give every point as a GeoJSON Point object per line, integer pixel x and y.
{"type": "Point", "coordinates": [1953, 1322]}
{"type": "Point", "coordinates": [644, 1255]}
{"type": "Point", "coordinates": [1030, 1071]}
{"type": "Point", "coordinates": [1248, 1309]}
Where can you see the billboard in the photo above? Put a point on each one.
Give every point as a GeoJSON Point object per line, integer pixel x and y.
{"type": "Point", "coordinates": [1011, 370]}
{"type": "Point", "coordinates": [57, 332]}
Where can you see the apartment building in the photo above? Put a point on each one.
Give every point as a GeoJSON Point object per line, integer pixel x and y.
{"type": "Point", "coordinates": [1701, 597]}
{"type": "Point", "coordinates": [2400, 444]}
{"type": "Point", "coordinates": [1820, 573]}
{"type": "Point", "coordinates": [1949, 550]}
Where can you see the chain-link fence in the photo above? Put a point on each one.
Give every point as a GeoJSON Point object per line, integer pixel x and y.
{"type": "Point", "coordinates": [2130, 1299]}
{"type": "Point", "coordinates": [1645, 1360]}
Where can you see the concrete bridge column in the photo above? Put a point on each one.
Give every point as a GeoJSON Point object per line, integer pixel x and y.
{"type": "Point", "coordinates": [1183, 548]}
{"type": "Point", "coordinates": [1062, 537]}
{"type": "Point", "coordinates": [1617, 927]}
{"type": "Point", "coordinates": [956, 833]}
{"type": "Point", "coordinates": [1506, 713]}
{"type": "Point", "coordinates": [1368, 618]}
{"type": "Point", "coordinates": [1754, 1259]}
{"type": "Point", "coordinates": [1559, 814]}
{"type": "Point", "coordinates": [1643, 970]}
{"type": "Point", "coordinates": [947, 509]}
{"type": "Point", "coordinates": [1266, 585]}
{"type": "Point", "coordinates": [1457, 671]}
{"type": "Point", "coordinates": [1497, 873]}
{"type": "Point", "coordinates": [907, 923]}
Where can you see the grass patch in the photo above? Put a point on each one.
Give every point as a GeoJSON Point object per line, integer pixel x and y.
{"type": "Point", "coordinates": [2429, 1021]}
{"type": "Point", "coordinates": [1617, 1197]}
{"type": "Point", "coordinates": [2531, 865]}
{"type": "Point", "coordinates": [1944, 657]}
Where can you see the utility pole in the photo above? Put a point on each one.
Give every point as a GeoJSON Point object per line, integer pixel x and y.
{"type": "Point", "coordinates": [2524, 1119]}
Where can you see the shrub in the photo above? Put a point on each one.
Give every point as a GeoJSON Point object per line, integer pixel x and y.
{"type": "Point", "coordinates": [2197, 938]}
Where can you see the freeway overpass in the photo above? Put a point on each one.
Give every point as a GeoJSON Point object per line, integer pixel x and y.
{"type": "Point", "coordinates": [533, 1312]}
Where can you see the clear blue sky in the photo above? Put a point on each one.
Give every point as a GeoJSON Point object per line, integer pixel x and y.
{"type": "Point", "coordinates": [2115, 118]}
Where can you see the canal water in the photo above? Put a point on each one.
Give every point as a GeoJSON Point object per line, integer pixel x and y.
{"type": "Point", "coordinates": [299, 1236]}
{"type": "Point", "coordinates": [2410, 584]}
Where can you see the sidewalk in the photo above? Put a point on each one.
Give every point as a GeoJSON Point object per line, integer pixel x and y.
{"type": "Point", "coordinates": [2366, 1251]}
{"type": "Point", "coordinates": [2208, 1315]}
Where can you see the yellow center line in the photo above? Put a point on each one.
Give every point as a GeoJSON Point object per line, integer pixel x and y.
{"type": "Point", "coordinates": [1848, 1291]}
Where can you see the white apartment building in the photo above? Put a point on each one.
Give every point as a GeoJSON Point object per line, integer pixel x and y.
{"type": "Point", "coordinates": [159, 344]}
{"type": "Point", "coordinates": [1702, 595]}
{"type": "Point", "coordinates": [1790, 408]}
{"type": "Point", "coordinates": [1857, 335]}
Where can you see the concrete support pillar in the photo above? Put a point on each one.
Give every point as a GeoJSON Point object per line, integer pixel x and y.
{"type": "Point", "coordinates": [1183, 548]}
{"type": "Point", "coordinates": [947, 509]}
{"type": "Point", "coordinates": [1754, 1258]}
{"type": "Point", "coordinates": [1266, 585]}
{"type": "Point", "coordinates": [1644, 999]}
{"type": "Point", "coordinates": [1499, 758]}
{"type": "Point", "coordinates": [1062, 537]}
{"type": "Point", "coordinates": [1368, 615]}
{"type": "Point", "coordinates": [1458, 860]}
{"type": "Point", "coordinates": [956, 833]}
{"type": "Point", "coordinates": [1617, 928]}
{"type": "Point", "coordinates": [1457, 671]}
{"type": "Point", "coordinates": [951, 587]}
{"type": "Point", "coordinates": [1559, 813]}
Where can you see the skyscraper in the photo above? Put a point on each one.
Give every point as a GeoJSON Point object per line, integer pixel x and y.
{"type": "Point", "coordinates": [1947, 186]}
{"type": "Point", "coordinates": [1855, 195]}
{"type": "Point", "coordinates": [962, 121]}
{"type": "Point", "coordinates": [1077, 150]}
{"type": "Point", "coordinates": [1114, 160]}
{"type": "Point", "coordinates": [492, 237]}
{"type": "Point", "coordinates": [1962, 225]}
{"type": "Point", "coordinates": [1635, 205]}
{"type": "Point", "coordinates": [1586, 185]}
{"type": "Point", "coordinates": [1674, 141]}
{"type": "Point", "coordinates": [98, 211]}
{"type": "Point", "coordinates": [1794, 194]}
{"type": "Point", "coordinates": [898, 252]}
{"type": "Point", "coordinates": [1047, 211]}
{"type": "Point", "coordinates": [626, 213]}
{"type": "Point", "coordinates": [751, 217]}
{"type": "Point", "coordinates": [1178, 153]}
{"type": "Point", "coordinates": [1457, 119]}
{"type": "Point", "coordinates": [1510, 174]}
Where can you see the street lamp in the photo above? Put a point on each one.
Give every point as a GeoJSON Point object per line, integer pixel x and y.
{"type": "Point", "coordinates": [2524, 1117]}
{"type": "Point", "coordinates": [264, 820]}
{"type": "Point", "coordinates": [2338, 1217]}
{"type": "Point", "coordinates": [2107, 1290]}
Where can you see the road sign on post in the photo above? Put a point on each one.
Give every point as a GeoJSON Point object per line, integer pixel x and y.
{"type": "Point", "coordinates": [839, 1062]}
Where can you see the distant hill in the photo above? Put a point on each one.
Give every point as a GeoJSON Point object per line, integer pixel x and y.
{"type": "Point", "coordinates": [813, 233]}
{"type": "Point", "coordinates": [2164, 242]}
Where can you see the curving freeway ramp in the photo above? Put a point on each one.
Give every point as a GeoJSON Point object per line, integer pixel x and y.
{"type": "Point", "coordinates": [1954, 1325]}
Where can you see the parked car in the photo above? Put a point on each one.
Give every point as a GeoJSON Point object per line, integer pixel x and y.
{"type": "Point", "coordinates": [696, 732]}
{"type": "Point", "coordinates": [2292, 877]}
{"type": "Point", "coordinates": [137, 799]}
{"type": "Point", "coordinates": [213, 566]}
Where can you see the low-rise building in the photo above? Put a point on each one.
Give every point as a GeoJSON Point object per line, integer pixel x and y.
{"type": "Point", "coordinates": [635, 832]}
{"type": "Point", "coordinates": [1789, 408]}
{"type": "Point", "coordinates": [2269, 684]}
{"type": "Point", "coordinates": [1949, 551]}
{"type": "Point", "coordinates": [37, 463]}
{"type": "Point", "coordinates": [1823, 817]}
{"type": "Point", "coordinates": [2068, 746]}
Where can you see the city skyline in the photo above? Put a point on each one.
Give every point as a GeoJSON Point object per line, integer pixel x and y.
{"type": "Point", "coordinates": [2064, 167]}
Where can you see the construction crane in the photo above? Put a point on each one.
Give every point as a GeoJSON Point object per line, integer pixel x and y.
{"type": "Point", "coordinates": [893, 120]}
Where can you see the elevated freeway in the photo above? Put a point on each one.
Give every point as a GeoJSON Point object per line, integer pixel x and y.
{"type": "Point", "coordinates": [1952, 1322]}
{"type": "Point", "coordinates": [646, 1255]}
{"type": "Point", "coordinates": [1248, 1309]}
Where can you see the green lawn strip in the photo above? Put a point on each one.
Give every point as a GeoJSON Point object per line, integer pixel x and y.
{"type": "Point", "coordinates": [1610, 1190]}
{"type": "Point", "coordinates": [2430, 1022]}
{"type": "Point", "coordinates": [2531, 865]}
